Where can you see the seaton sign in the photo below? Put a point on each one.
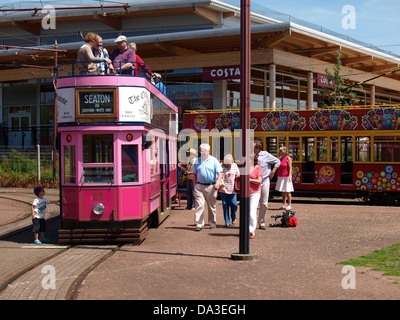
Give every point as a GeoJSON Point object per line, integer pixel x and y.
{"type": "Point", "coordinates": [96, 102]}
{"type": "Point", "coordinates": [221, 73]}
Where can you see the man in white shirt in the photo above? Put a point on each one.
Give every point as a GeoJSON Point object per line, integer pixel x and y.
{"type": "Point", "coordinates": [265, 161]}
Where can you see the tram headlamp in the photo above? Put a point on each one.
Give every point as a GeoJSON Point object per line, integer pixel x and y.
{"type": "Point", "coordinates": [98, 208]}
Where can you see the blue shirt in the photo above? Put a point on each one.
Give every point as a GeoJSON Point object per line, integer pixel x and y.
{"type": "Point", "coordinates": [207, 170]}
{"type": "Point", "coordinates": [103, 53]}
{"type": "Point", "coordinates": [266, 161]}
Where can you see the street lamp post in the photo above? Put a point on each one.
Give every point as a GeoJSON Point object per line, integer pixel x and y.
{"type": "Point", "coordinates": [245, 73]}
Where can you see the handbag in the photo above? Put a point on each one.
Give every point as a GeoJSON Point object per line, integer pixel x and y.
{"type": "Point", "coordinates": [236, 186]}
{"type": "Point", "coordinates": [222, 184]}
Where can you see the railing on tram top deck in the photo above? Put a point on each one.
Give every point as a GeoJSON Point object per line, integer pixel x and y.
{"type": "Point", "coordinates": [268, 109]}
{"type": "Point", "coordinates": [70, 69]}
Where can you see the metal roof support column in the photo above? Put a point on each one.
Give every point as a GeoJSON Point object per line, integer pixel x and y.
{"type": "Point", "coordinates": [310, 90]}
{"type": "Point", "coordinates": [372, 95]}
{"type": "Point", "coordinates": [272, 86]}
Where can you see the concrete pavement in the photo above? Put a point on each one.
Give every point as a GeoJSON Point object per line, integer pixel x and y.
{"type": "Point", "coordinates": [177, 263]}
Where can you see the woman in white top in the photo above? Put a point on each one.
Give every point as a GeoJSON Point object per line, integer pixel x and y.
{"type": "Point", "coordinates": [230, 171]}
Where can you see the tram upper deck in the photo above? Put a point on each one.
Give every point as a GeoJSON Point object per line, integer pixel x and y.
{"type": "Point", "coordinates": [117, 98]}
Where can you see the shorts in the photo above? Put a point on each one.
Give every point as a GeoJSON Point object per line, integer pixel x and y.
{"type": "Point", "coordinates": [39, 225]}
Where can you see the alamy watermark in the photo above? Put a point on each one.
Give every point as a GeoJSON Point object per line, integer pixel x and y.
{"type": "Point", "coordinates": [349, 18]}
{"type": "Point", "coordinates": [49, 20]}
{"type": "Point", "coordinates": [49, 280]}
{"type": "Point", "coordinates": [349, 280]}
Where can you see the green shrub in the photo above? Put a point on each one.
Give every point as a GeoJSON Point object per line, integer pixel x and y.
{"type": "Point", "coordinates": [19, 171]}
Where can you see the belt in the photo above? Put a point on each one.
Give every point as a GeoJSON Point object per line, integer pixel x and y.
{"type": "Point", "coordinates": [206, 184]}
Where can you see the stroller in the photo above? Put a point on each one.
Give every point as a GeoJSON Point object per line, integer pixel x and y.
{"type": "Point", "coordinates": [287, 220]}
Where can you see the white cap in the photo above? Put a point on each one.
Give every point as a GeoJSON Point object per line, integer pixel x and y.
{"type": "Point", "coordinates": [120, 39]}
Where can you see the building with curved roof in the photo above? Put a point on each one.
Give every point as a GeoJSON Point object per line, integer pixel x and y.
{"type": "Point", "coordinates": [194, 45]}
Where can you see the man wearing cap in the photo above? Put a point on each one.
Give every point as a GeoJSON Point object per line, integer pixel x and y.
{"type": "Point", "coordinates": [123, 57]}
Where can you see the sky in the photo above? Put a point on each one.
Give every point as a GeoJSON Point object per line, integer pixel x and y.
{"type": "Point", "coordinates": [376, 21]}
{"type": "Point", "coordinates": [372, 21]}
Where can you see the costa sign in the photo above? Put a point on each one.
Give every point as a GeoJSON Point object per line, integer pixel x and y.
{"type": "Point", "coordinates": [322, 81]}
{"type": "Point", "coordinates": [221, 73]}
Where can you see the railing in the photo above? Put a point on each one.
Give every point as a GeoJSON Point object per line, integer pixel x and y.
{"type": "Point", "coordinates": [396, 106]}
{"type": "Point", "coordinates": [139, 69]}
{"type": "Point", "coordinates": [46, 153]}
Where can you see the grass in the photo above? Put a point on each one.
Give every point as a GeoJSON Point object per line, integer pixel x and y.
{"type": "Point", "coordinates": [19, 171]}
{"type": "Point", "coordinates": [386, 259]}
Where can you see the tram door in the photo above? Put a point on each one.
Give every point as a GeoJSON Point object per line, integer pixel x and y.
{"type": "Point", "coordinates": [346, 161]}
{"type": "Point", "coordinates": [167, 174]}
{"type": "Point", "coordinates": [308, 163]}
{"type": "Point", "coordinates": [164, 174]}
{"type": "Point", "coordinates": [273, 148]}
{"type": "Point", "coordinates": [20, 134]}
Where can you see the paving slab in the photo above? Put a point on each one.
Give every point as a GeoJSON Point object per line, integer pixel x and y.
{"type": "Point", "coordinates": [175, 262]}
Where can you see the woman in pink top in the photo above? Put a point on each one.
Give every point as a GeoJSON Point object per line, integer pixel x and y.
{"type": "Point", "coordinates": [284, 183]}
{"type": "Point", "coordinates": [256, 177]}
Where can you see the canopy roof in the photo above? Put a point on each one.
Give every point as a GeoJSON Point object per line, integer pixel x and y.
{"type": "Point", "coordinates": [218, 44]}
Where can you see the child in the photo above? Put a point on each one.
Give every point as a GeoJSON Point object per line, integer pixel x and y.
{"type": "Point", "coordinates": [38, 212]}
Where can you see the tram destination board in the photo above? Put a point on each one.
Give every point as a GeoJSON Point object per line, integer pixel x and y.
{"type": "Point", "coordinates": [95, 102]}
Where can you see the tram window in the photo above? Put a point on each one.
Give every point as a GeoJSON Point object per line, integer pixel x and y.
{"type": "Point", "coordinates": [173, 154]}
{"type": "Point", "coordinates": [154, 156]}
{"type": "Point", "coordinates": [363, 149]}
{"type": "Point", "coordinates": [308, 150]}
{"type": "Point", "coordinates": [272, 146]}
{"type": "Point", "coordinates": [282, 142]}
{"type": "Point", "coordinates": [69, 164]}
{"type": "Point", "coordinates": [98, 175]}
{"type": "Point", "coordinates": [322, 149]}
{"type": "Point", "coordinates": [237, 155]}
{"type": "Point", "coordinates": [294, 148]}
{"type": "Point", "coordinates": [129, 163]}
{"type": "Point", "coordinates": [98, 148]}
{"type": "Point", "coordinates": [221, 146]}
{"type": "Point", "coordinates": [387, 149]}
{"type": "Point", "coordinates": [334, 149]}
{"type": "Point", "coordinates": [346, 149]}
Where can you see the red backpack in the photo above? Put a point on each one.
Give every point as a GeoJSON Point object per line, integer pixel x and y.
{"type": "Point", "coordinates": [287, 219]}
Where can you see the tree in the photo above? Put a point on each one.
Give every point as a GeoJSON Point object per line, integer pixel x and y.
{"type": "Point", "coordinates": [341, 93]}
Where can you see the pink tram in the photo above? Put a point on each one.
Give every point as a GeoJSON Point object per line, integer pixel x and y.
{"type": "Point", "coordinates": [118, 142]}
{"type": "Point", "coordinates": [338, 151]}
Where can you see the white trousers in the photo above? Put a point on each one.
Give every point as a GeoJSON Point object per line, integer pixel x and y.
{"type": "Point", "coordinates": [202, 195]}
{"type": "Point", "coordinates": [254, 200]}
{"type": "Point", "coordinates": [264, 203]}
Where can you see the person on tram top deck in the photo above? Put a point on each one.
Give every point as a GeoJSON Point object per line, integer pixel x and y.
{"type": "Point", "coordinates": [123, 57]}
{"type": "Point", "coordinates": [86, 61]}
{"type": "Point", "coordinates": [100, 52]}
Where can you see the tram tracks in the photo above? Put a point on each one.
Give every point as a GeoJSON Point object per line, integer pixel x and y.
{"type": "Point", "coordinates": [46, 271]}
{"type": "Point", "coordinates": [57, 276]}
